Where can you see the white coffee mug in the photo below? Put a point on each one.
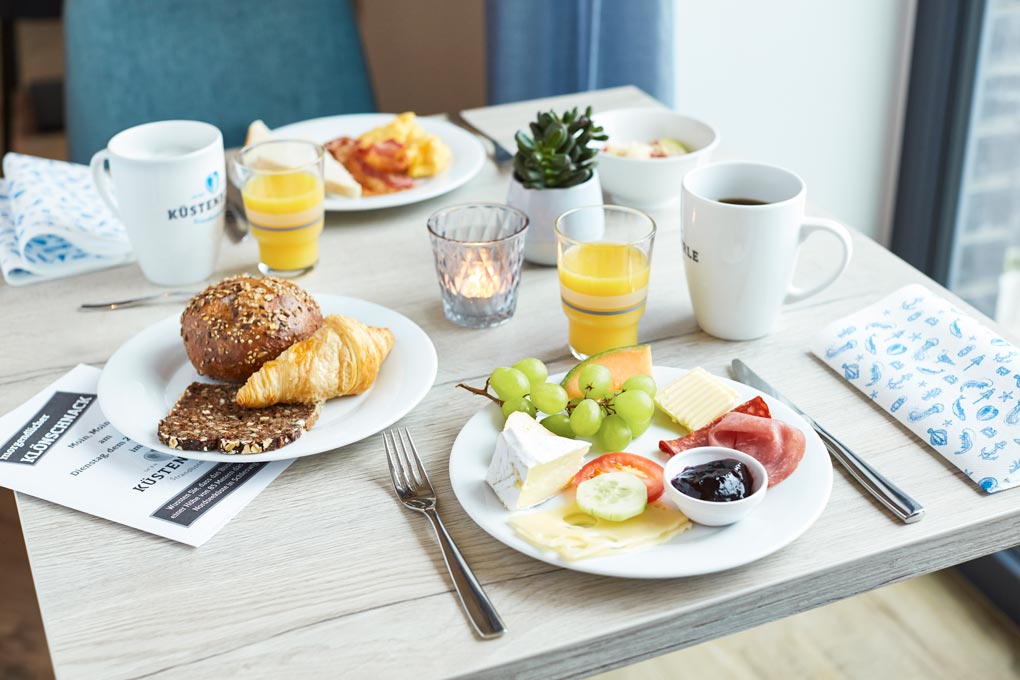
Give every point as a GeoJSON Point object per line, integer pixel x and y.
{"type": "Point", "coordinates": [167, 185]}
{"type": "Point", "coordinates": [740, 258]}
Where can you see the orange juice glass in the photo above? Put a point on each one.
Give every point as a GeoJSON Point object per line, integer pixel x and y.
{"type": "Point", "coordinates": [283, 192]}
{"type": "Point", "coordinates": [603, 255]}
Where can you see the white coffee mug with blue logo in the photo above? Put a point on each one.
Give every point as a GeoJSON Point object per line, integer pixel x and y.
{"type": "Point", "coordinates": [166, 183]}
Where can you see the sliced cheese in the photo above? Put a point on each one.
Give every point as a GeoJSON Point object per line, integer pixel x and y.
{"type": "Point", "coordinates": [335, 176]}
{"type": "Point", "coordinates": [258, 132]}
{"type": "Point", "coordinates": [576, 535]}
{"type": "Point", "coordinates": [338, 180]}
{"type": "Point", "coordinates": [695, 399]}
{"type": "Point", "coordinates": [531, 464]}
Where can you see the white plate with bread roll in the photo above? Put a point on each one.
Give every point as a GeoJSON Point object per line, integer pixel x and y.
{"type": "Point", "coordinates": [343, 193]}
{"type": "Point", "coordinates": [344, 369]}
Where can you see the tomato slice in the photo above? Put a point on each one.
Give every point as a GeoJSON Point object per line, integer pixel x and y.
{"type": "Point", "coordinates": [648, 471]}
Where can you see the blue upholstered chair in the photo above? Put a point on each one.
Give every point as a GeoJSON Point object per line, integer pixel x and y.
{"type": "Point", "coordinates": [221, 61]}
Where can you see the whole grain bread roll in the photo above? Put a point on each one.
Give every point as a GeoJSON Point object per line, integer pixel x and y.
{"type": "Point", "coordinates": [233, 327]}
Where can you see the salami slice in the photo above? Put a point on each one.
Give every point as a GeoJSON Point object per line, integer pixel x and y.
{"type": "Point", "coordinates": [754, 407]}
{"type": "Point", "coordinates": [776, 445]}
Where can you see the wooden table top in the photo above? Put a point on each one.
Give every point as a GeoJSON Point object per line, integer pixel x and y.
{"type": "Point", "coordinates": [325, 574]}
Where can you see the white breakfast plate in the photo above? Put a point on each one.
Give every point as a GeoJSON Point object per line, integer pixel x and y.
{"type": "Point", "coordinates": [146, 375]}
{"type": "Point", "coordinates": [467, 156]}
{"type": "Point", "coordinates": [788, 510]}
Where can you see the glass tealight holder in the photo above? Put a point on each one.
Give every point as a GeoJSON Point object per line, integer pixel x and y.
{"type": "Point", "coordinates": [479, 249]}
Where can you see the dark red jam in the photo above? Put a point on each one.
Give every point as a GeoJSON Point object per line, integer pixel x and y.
{"type": "Point", "coordinates": [721, 481]}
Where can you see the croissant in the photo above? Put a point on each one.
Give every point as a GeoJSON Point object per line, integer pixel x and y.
{"type": "Point", "coordinates": [342, 357]}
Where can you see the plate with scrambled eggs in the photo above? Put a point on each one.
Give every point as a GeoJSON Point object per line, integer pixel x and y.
{"type": "Point", "coordinates": [391, 159]}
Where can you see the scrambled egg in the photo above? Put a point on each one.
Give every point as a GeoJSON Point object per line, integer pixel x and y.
{"type": "Point", "coordinates": [424, 154]}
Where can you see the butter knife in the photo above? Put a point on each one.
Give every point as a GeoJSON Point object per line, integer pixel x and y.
{"type": "Point", "coordinates": [155, 298]}
{"type": "Point", "coordinates": [887, 493]}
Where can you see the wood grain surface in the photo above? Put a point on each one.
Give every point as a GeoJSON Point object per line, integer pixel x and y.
{"type": "Point", "coordinates": [324, 574]}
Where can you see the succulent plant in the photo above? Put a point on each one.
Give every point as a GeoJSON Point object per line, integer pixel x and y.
{"type": "Point", "coordinates": [557, 154]}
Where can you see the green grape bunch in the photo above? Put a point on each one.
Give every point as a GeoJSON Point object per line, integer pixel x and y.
{"type": "Point", "coordinates": [615, 417]}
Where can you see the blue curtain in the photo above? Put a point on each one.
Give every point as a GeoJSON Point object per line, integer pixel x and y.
{"type": "Point", "coordinates": [540, 48]}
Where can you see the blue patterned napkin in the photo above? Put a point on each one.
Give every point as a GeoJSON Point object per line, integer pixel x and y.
{"type": "Point", "coordinates": [951, 380]}
{"type": "Point", "coordinates": [53, 222]}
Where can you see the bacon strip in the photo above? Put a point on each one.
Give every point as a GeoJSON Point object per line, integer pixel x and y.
{"type": "Point", "coordinates": [387, 157]}
{"type": "Point", "coordinates": [379, 168]}
{"type": "Point", "coordinates": [754, 407]}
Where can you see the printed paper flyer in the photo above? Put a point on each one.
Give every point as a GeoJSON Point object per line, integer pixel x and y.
{"type": "Point", "coordinates": [58, 446]}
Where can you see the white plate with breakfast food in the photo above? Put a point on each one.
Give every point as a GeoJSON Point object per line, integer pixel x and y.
{"type": "Point", "coordinates": [555, 499]}
{"type": "Point", "coordinates": [257, 369]}
{"type": "Point", "coordinates": [383, 160]}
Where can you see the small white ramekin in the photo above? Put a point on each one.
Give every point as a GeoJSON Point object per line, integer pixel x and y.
{"type": "Point", "coordinates": [714, 513]}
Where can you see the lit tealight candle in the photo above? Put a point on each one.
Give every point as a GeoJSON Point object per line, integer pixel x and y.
{"type": "Point", "coordinates": [476, 279]}
{"type": "Point", "coordinates": [477, 286]}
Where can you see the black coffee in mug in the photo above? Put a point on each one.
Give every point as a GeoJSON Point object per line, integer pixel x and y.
{"type": "Point", "coordinates": [743, 201]}
{"type": "Point", "coordinates": [742, 273]}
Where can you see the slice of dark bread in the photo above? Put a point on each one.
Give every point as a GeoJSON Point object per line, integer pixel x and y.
{"type": "Point", "coordinates": [206, 418]}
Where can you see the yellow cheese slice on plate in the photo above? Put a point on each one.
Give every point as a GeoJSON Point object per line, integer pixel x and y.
{"type": "Point", "coordinates": [577, 535]}
{"type": "Point", "coordinates": [696, 398]}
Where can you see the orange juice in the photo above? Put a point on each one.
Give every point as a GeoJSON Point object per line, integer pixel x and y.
{"type": "Point", "coordinates": [603, 287]}
{"type": "Point", "coordinates": [285, 212]}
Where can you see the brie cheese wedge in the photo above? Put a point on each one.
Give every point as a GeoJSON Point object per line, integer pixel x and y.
{"type": "Point", "coordinates": [531, 464]}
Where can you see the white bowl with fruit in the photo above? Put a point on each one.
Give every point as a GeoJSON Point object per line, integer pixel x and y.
{"type": "Point", "coordinates": [648, 153]}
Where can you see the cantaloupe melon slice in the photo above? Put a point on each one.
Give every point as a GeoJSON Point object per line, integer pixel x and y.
{"type": "Point", "coordinates": [622, 362]}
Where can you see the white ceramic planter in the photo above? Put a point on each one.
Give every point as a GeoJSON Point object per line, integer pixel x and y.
{"type": "Point", "coordinates": [543, 206]}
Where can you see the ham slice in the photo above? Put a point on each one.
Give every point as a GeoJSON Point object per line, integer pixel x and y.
{"type": "Point", "coordinates": [754, 407]}
{"type": "Point", "coordinates": [777, 445]}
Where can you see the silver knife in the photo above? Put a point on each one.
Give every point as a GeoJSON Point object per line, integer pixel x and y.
{"type": "Point", "coordinates": [887, 493]}
{"type": "Point", "coordinates": [499, 152]}
{"type": "Point", "coordinates": [165, 296]}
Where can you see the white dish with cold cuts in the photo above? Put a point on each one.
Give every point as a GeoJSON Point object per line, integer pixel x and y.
{"type": "Point", "coordinates": [787, 511]}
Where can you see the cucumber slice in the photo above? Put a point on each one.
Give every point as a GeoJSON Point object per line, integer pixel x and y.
{"type": "Point", "coordinates": [674, 147]}
{"type": "Point", "coordinates": [614, 496]}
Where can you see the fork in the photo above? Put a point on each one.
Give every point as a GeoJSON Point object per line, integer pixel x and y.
{"type": "Point", "coordinates": [500, 154]}
{"type": "Point", "coordinates": [415, 491]}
